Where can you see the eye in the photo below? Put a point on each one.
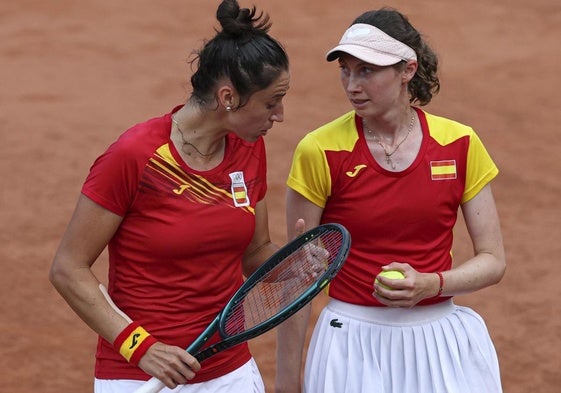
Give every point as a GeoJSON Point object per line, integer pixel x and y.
{"type": "Point", "coordinates": [366, 70]}
{"type": "Point", "coordinates": [344, 70]}
{"type": "Point", "coordinates": [273, 104]}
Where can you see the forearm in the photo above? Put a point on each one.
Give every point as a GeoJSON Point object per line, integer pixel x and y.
{"type": "Point", "coordinates": [488, 264]}
{"type": "Point", "coordinates": [301, 214]}
{"type": "Point", "coordinates": [80, 288]}
{"type": "Point", "coordinates": [256, 257]}
{"type": "Point", "coordinates": [260, 247]}
{"type": "Point", "coordinates": [88, 233]}
{"type": "Point", "coordinates": [483, 270]}
{"type": "Point", "coordinates": [291, 336]}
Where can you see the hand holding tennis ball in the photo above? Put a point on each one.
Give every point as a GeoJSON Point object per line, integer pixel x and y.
{"type": "Point", "coordinates": [393, 274]}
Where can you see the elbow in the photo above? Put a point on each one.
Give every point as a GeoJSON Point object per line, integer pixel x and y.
{"type": "Point", "coordinates": [55, 276]}
{"type": "Point", "coordinates": [499, 274]}
{"type": "Point", "coordinates": [58, 276]}
{"type": "Point", "coordinates": [500, 269]}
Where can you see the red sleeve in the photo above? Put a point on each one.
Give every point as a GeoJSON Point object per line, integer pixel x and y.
{"type": "Point", "coordinates": [114, 176]}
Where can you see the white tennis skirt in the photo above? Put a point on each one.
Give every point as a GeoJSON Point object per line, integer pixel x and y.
{"type": "Point", "coordinates": [441, 348]}
{"type": "Point", "coordinates": [245, 379]}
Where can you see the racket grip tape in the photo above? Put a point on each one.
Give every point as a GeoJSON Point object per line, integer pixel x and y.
{"type": "Point", "coordinates": [133, 342]}
{"type": "Point", "coordinates": [153, 385]}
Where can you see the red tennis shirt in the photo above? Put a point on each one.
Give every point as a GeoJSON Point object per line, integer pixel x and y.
{"type": "Point", "coordinates": [405, 216]}
{"type": "Point", "coordinates": [176, 258]}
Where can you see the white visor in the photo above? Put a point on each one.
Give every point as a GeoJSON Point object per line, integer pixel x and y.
{"type": "Point", "coordinates": [372, 45]}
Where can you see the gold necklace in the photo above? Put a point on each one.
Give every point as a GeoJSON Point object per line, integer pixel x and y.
{"type": "Point", "coordinates": [186, 142]}
{"type": "Point", "coordinates": [379, 141]}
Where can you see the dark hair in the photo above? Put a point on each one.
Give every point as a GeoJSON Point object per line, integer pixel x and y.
{"type": "Point", "coordinates": [242, 51]}
{"type": "Point", "coordinates": [425, 83]}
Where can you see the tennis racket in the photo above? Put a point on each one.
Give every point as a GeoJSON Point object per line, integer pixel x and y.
{"type": "Point", "coordinates": [280, 287]}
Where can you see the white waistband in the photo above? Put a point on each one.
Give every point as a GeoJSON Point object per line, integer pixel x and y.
{"type": "Point", "coordinates": [392, 315]}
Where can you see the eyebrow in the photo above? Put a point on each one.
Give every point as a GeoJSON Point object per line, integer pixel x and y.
{"type": "Point", "coordinates": [360, 63]}
{"type": "Point", "coordinates": [280, 94]}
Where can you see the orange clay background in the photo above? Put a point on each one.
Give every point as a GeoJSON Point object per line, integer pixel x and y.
{"type": "Point", "coordinates": [74, 74]}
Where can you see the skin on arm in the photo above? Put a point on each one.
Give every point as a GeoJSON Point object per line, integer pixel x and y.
{"type": "Point", "coordinates": [90, 229]}
{"type": "Point", "coordinates": [485, 268]}
{"type": "Point", "coordinates": [260, 248]}
{"type": "Point", "coordinates": [301, 215]}
{"type": "Point", "coordinates": [88, 233]}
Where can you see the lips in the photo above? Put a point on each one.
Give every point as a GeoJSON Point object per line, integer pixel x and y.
{"type": "Point", "coordinates": [358, 103]}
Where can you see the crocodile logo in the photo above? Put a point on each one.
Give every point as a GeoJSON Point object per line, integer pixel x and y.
{"type": "Point", "coordinates": [335, 323]}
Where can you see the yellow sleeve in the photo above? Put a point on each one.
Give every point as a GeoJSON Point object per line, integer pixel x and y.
{"type": "Point", "coordinates": [480, 168]}
{"type": "Point", "coordinates": [309, 174]}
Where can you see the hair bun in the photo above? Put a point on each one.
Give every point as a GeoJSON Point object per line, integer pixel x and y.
{"type": "Point", "coordinates": [238, 22]}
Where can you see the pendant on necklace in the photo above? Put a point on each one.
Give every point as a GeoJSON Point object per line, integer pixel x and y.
{"type": "Point", "coordinates": [389, 161]}
{"type": "Point", "coordinates": [379, 141]}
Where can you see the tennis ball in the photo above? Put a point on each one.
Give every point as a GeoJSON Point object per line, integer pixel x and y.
{"type": "Point", "coordinates": [393, 274]}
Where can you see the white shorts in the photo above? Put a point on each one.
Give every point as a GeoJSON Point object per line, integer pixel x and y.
{"type": "Point", "coordinates": [441, 348]}
{"type": "Point", "coordinates": [245, 379]}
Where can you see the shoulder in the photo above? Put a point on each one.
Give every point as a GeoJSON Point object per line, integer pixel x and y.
{"type": "Point", "coordinates": [339, 134]}
{"type": "Point", "coordinates": [135, 146]}
{"type": "Point", "coordinates": [146, 134]}
{"type": "Point", "coordinates": [446, 131]}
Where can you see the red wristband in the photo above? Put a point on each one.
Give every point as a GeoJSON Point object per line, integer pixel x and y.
{"type": "Point", "coordinates": [133, 342]}
{"type": "Point", "coordinates": [141, 349]}
{"type": "Point", "coordinates": [441, 284]}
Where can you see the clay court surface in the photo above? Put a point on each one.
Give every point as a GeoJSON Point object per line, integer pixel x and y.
{"type": "Point", "coordinates": [75, 74]}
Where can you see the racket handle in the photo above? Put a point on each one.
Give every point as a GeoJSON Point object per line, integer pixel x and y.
{"type": "Point", "coordinates": [153, 385]}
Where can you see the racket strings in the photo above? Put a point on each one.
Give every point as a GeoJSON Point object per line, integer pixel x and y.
{"type": "Point", "coordinates": [286, 282]}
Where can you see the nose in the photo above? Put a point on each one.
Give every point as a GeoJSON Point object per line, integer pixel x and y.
{"type": "Point", "coordinates": [352, 83]}
{"type": "Point", "coordinates": [278, 114]}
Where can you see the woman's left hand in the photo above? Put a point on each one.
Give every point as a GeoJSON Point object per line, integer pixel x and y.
{"type": "Point", "coordinates": [406, 292]}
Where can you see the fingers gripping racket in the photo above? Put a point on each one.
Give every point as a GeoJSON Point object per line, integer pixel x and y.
{"type": "Point", "coordinates": [280, 287]}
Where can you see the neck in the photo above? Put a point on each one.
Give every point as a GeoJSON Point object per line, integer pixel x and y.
{"type": "Point", "coordinates": [194, 143]}
{"type": "Point", "coordinates": [390, 130]}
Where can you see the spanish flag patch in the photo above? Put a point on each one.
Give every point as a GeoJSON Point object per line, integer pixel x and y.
{"type": "Point", "coordinates": [443, 170]}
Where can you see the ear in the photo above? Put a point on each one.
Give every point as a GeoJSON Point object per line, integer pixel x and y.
{"type": "Point", "coordinates": [226, 96]}
{"type": "Point", "coordinates": [410, 70]}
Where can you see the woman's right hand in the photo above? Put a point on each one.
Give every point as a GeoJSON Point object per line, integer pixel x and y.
{"type": "Point", "coordinates": [170, 364]}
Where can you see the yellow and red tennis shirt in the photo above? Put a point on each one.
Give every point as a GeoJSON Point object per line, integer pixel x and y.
{"type": "Point", "coordinates": [403, 216]}
{"type": "Point", "coordinates": [176, 258]}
